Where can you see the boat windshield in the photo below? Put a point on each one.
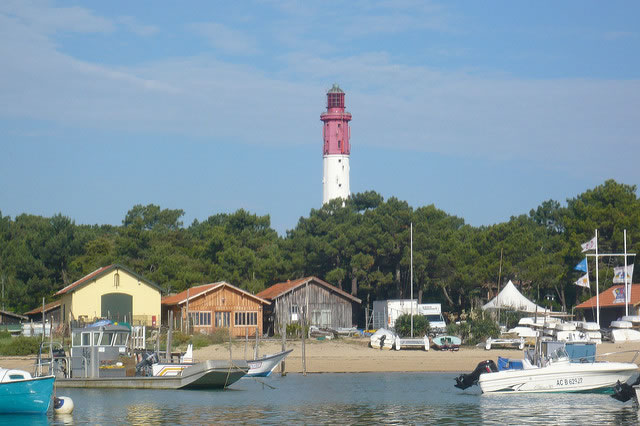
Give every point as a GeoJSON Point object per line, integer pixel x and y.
{"type": "Point", "coordinates": [121, 339]}
{"type": "Point", "coordinates": [558, 354]}
{"type": "Point", "coordinates": [107, 338]}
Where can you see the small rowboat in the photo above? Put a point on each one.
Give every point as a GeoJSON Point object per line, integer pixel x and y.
{"type": "Point", "coordinates": [447, 343]}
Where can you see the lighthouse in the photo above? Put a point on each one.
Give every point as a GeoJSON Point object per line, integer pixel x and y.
{"type": "Point", "coordinates": [336, 148]}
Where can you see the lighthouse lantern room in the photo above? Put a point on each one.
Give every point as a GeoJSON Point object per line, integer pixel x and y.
{"type": "Point", "coordinates": [336, 149]}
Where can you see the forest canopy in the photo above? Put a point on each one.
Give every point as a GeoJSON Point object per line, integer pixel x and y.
{"type": "Point", "coordinates": [362, 246]}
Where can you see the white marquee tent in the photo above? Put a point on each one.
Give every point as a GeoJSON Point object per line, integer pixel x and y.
{"type": "Point", "coordinates": [511, 299]}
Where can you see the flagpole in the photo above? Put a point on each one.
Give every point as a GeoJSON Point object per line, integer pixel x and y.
{"type": "Point", "coordinates": [627, 296]}
{"type": "Point", "coordinates": [412, 280]}
{"type": "Point", "coordinates": [597, 284]}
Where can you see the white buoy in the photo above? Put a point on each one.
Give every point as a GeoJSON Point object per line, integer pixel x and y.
{"type": "Point", "coordinates": [62, 405]}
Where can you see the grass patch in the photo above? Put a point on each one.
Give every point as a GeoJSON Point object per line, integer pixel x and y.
{"type": "Point", "coordinates": [21, 345]}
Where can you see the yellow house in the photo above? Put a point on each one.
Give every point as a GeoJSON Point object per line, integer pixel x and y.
{"type": "Point", "coordinates": [112, 292]}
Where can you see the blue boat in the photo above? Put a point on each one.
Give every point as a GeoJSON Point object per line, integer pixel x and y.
{"type": "Point", "coordinates": [22, 394]}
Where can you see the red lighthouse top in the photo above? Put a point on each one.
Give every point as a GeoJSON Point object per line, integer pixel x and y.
{"type": "Point", "coordinates": [336, 130]}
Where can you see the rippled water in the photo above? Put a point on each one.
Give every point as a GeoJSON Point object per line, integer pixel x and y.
{"type": "Point", "coordinates": [388, 398]}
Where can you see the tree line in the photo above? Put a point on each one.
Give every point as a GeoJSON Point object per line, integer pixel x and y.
{"type": "Point", "coordinates": [361, 245]}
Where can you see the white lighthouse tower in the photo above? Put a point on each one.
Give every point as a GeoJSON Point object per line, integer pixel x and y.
{"type": "Point", "coordinates": [336, 148]}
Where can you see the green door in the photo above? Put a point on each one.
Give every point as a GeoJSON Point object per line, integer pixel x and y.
{"type": "Point", "coordinates": [115, 306]}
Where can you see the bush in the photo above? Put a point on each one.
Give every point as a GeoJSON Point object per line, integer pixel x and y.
{"type": "Point", "coordinates": [295, 330]}
{"type": "Point", "coordinates": [421, 326]}
{"type": "Point", "coordinates": [20, 345]}
{"type": "Point", "coordinates": [475, 330]}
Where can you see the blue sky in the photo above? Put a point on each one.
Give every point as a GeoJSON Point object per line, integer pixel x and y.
{"type": "Point", "coordinates": [485, 109]}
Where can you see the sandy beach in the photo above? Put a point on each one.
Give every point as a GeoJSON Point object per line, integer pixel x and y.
{"type": "Point", "coordinates": [353, 355]}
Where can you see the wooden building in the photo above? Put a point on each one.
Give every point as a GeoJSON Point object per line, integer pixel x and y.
{"type": "Point", "coordinates": [325, 305]}
{"type": "Point", "coordinates": [114, 292]}
{"type": "Point", "coordinates": [11, 322]}
{"type": "Point", "coordinates": [213, 306]}
{"type": "Point", "coordinates": [51, 312]}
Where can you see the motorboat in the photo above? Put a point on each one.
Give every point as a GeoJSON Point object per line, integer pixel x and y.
{"type": "Point", "coordinates": [100, 357]}
{"type": "Point", "coordinates": [548, 371]}
{"type": "Point", "coordinates": [259, 367]}
{"type": "Point", "coordinates": [20, 393]}
{"type": "Point", "coordinates": [262, 367]}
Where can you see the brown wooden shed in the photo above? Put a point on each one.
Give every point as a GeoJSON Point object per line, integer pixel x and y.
{"type": "Point", "coordinates": [213, 306]}
{"type": "Point", "coordinates": [326, 305]}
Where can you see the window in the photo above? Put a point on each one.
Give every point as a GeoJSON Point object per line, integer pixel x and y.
{"type": "Point", "coordinates": [294, 312]}
{"type": "Point", "coordinates": [200, 318]}
{"type": "Point", "coordinates": [321, 318]}
{"type": "Point", "coordinates": [86, 339]}
{"type": "Point", "coordinates": [121, 339]}
{"type": "Point", "coordinates": [338, 146]}
{"type": "Point", "coordinates": [223, 319]}
{"type": "Point", "coordinates": [107, 338]}
{"type": "Point", "coordinates": [246, 318]}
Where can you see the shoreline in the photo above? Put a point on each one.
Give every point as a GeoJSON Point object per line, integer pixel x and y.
{"type": "Point", "coordinates": [353, 355]}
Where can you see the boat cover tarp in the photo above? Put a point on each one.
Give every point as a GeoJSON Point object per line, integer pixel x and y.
{"type": "Point", "coordinates": [511, 299]}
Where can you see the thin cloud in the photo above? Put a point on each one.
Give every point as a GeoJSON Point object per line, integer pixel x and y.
{"type": "Point", "coordinates": [43, 18]}
{"type": "Point", "coordinates": [133, 25]}
{"type": "Point", "coordinates": [224, 38]}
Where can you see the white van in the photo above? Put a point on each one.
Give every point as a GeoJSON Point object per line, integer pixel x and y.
{"type": "Point", "coordinates": [433, 312]}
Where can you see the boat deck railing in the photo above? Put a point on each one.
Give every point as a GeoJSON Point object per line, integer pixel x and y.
{"type": "Point", "coordinates": [594, 358]}
{"type": "Point", "coordinates": [47, 366]}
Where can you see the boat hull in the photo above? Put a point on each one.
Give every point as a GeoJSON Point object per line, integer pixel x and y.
{"type": "Point", "coordinates": [564, 377]}
{"type": "Point", "coordinates": [29, 396]}
{"type": "Point", "coordinates": [262, 367]}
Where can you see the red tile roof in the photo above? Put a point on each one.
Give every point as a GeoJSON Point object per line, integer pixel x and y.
{"type": "Point", "coordinates": [608, 297]}
{"type": "Point", "coordinates": [279, 289]}
{"type": "Point", "coordinates": [99, 272]}
{"type": "Point", "coordinates": [201, 290]}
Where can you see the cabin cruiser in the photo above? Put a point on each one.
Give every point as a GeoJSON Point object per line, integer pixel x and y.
{"type": "Point", "coordinates": [548, 368]}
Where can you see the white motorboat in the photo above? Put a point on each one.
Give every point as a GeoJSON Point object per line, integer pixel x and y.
{"type": "Point", "coordinates": [553, 373]}
{"type": "Point", "coordinates": [262, 367]}
{"type": "Point", "coordinates": [259, 367]}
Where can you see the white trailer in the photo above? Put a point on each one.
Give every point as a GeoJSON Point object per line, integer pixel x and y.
{"type": "Point", "coordinates": [386, 312]}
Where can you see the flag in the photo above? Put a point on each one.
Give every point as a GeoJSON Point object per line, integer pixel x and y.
{"type": "Point", "coordinates": [583, 281]}
{"type": "Point", "coordinates": [589, 245]}
{"type": "Point", "coordinates": [582, 266]}
{"type": "Point", "coordinates": [618, 274]}
{"type": "Point", "coordinates": [618, 295]}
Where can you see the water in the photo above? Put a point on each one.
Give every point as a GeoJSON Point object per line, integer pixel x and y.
{"type": "Point", "coordinates": [366, 398]}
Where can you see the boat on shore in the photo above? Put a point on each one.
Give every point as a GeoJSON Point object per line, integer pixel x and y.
{"type": "Point", "coordinates": [20, 393]}
{"type": "Point", "coordinates": [548, 371]}
{"type": "Point", "coordinates": [446, 343]}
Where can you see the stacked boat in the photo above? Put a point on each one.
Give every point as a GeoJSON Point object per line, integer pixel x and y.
{"type": "Point", "coordinates": [626, 329]}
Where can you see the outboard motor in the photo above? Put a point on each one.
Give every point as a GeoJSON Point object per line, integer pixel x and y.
{"type": "Point", "coordinates": [148, 360]}
{"type": "Point", "coordinates": [466, 380]}
{"type": "Point", "coordinates": [624, 391]}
